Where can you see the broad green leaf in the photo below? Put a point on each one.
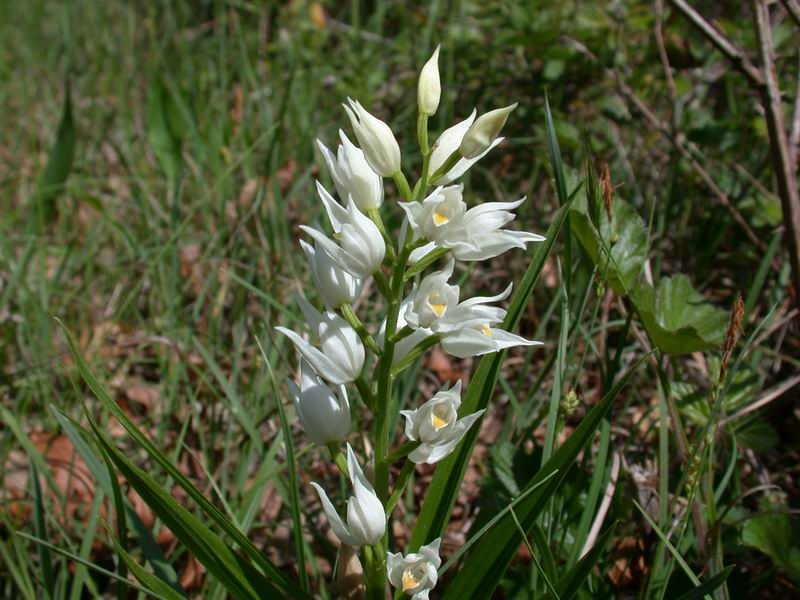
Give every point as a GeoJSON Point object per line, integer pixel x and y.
{"type": "Point", "coordinates": [59, 162]}
{"type": "Point", "coordinates": [625, 236]}
{"type": "Point", "coordinates": [238, 576]}
{"type": "Point", "coordinates": [281, 579]}
{"type": "Point", "coordinates": [708, 586]}
{"type": "Point", "coordinates": [489, 558]}
{"type": "Point", "coordinates": [757, 435]}
{"type": "Point", "coordinates": [775, 536]}
{"type": "Point", "coordinates": [444, 486]}
{"type": "Point", "coordinates": [677, 318]}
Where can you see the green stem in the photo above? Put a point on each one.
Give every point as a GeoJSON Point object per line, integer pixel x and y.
{"type": "Point", "coordinates": [339, 458]}
{"type": "Point", "coordinates": [451, 162]}
{"type": "Point", "coordinates": [402, 186]}
{"type": "Point", "coordinates": [403, 451]}
{"type": "Point", "coordinates": [415, 353]}
{"type": "Point", "coordinates": [403, 333]}
{"type": "Point", "coordinates": [422, 133]}
{"type": "Point", "coordinates": [366, 392]}
{"type": "Point", "coordinates": [382, 283]}
{"type": "Point", "coordinates": [424, 262]}
{"type": "Point", "coordinates": [400, 485]}
{"type": "Point", "coordinates": [352, 318]}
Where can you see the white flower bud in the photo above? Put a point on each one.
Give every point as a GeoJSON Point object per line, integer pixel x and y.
{"type": "Point", "coordinates": [340, 357]}
{"type": "Point", "coordinates": [350, 581]}
{"type": "Point", "coordinates": [429, 89]}
{"type": "Point", "coordinates": [334, 284]}
{"type": "Point", "coordinates": [484, 131]}
{"type": "Point", "coordinates": [376, 140]}
{"type": "Point", "coordinates": [361, 247]}
{"type": "Point", "coordinates": [416, 573]}
{"type": "Point", "coordinates": [325, 416]}
{"type": "Point", "coordinates": [437, 426]}
{"type": "Point", "coordinates": [352, 175]}
{"type": "Point", "coordinates": [366, 517]}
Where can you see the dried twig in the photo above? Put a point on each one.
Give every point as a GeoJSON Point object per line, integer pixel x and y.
{"type": "Point", "coordinates": [771, 394]}
{"type": "Point", "coordinates": [600, 517]}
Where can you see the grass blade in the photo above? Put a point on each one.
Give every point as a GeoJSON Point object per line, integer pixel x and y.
{"type": "Point", "coordinates": [572, 581]}
{"type": "Point", "coordinates": [59, 162]}
{"type": "Point", "coordinates": [709, 585]}
{"type": "Point", "coordinates": [45, 560]}
{"type": "Point", "coordinates": [147, 579]}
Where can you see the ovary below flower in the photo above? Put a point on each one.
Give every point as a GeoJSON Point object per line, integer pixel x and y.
{"type": "Point", "coordinates": [340, 356]}
{"type": "Point", "coordinates": [325, 415]}
{"type": "Point", "coordinates": [352, 175]}
{"type": "Point", "coordinates": [449, 142]}
{"type": "Point", "coordinates": [436, 426]}
{"type": "Point", "coordinates": [376, 139]}
{"type": "Point", "coordinates": [361, 247]}
{"type": "Point", "coordinates": [474, 234]}
{"type": "Point", "coordinates": [415, 574]}
{"type": "Point", "coordinates": [335, 285]}
{"type": "Point", "coordinates": [366, 517]}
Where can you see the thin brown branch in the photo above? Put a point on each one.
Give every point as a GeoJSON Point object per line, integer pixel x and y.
{"type": "Point", "coordinates": [794, 135]}
{"type": "Point", "coordinates": [779, 143]}
{"type": "Point", "coordinates": [738, 57]}
{"type": "Point", "coordinates": [793, 8]}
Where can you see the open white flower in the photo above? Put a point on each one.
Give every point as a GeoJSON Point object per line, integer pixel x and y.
{"type": "Point", "coordinates": [340, 356]}
{"type": "Point", "coordinates": [361, 247]}
{"type": "Point", "coordinates": [484, 131]}
{"type": "Point", "coordinates": [376, 140]}
{"type": "Point", "coordinates": [437, 426]}
{"type": "Point", "coordinates": [366, 518]}
{"type": "Point", "coordinates": [449, 142]}
{"type": "Point", "coordinates": [334, 284]}
{"type": "Point", "coordinates": [325, 415]}
{"type": "Point", "coordinates": [466, 327]}
{"type": "Point", "coordinates": [416, 573]}
{"type": "Point", "coordinates": [474, 234]}
{"type": "Point", "coordinates": [429, 89]}
{"type": "Point", "coordinates": [352, 175]}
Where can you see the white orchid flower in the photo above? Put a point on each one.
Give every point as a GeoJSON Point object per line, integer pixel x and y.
{"type": "Point", "coordinates": [352, 175]}
{"type": "Point", "coordinates": [465, 327]}
{"type": "Point", "coordinates": [429, 89]}
{"type": "Point", "coordinates": [361, 247]}
{"type": "Point", "coordinates": [484, 131]}
{"type": "Point", "coordinates": [325, 415]}
{"type": "Point", "coordinates": [449, 142]}
{"type": "Point", "coordinates": [340, 356]}
{"type": "Point", "coordinates": [366, 517]}
{"type": "Point", "coordinates": [415, 574]}
{"type": "Point", "coordinates": [376, 140]}
{"type": "Point", "coordinates": [335, 285]}
{"type": "Point", "coordinates": [437, 426]}
{"type": "Point", "coordinates": [474, 234]}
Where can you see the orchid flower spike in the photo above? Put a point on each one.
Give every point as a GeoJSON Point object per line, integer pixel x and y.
{"type": "Point", "coordinates": [466, 328]}
{"type": "Point", "coordinates": [450, 141]}
{"type": "Point", "coordinates": [340, 356]}
{"type": "Point", "coordinates": [474, 234]}
{"type": "Point", "coordinates": [352, 175]}
{"type": "Point", "coordinates": [429, 89]}
{"type": "Point", "coordinates": [376, 139]}
{"type": "Point", "coordinates": [416, 573]}
{"type": "Point", "coordinates": [484, 131]}
{"type": "Point", "coordinates": [335, 285]}
{"type": "Point", "coordinates": [437, 426]}
{"type": "Point", "coordinates": [325, 416]}
{"type": "Point", "coordinates": [366, 517]}
{"type": "Point", "coordinates": [361, 247]}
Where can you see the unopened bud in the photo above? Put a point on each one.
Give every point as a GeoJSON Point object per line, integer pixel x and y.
{"type": "Point", "coordinates": [429, 89]}
{"type": "Point", "coordinates": [569, 403]}
{"type": "Point", "coordinates": [350, 575]}
{"type": "Point", "coordinates": [484, 131]}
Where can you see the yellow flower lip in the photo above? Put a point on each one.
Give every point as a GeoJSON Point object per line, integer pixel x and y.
{"type": "Point", "coordinates": [438, 309]}
{"type": "Point", "coordinates": [409, 581]}
{"type": "Point", "coordinates": [487, 331]}
{"type": "Point", "coordinates": [438, 422]}
{"type": "Point", "coordinates": [440, 219]}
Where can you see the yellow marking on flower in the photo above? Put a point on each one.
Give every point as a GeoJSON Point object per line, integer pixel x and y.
{"type": "Point", "coordinates": [439, 309]}
{"type": "Point", "coordinates": [438, 422]}
{"type": "Point", "coordinates": [409, 580]}
{"type": "Point", "coordinates": [440, 219]}
{"type": "Point", "coordinates": [487, 331]}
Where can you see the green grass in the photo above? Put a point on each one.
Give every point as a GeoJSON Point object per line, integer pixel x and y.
{"type": "Point", "coordinates": [165, 240]}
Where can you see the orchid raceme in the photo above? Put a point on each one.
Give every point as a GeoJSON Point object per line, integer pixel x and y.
{"type": "Point", "coordinates": [415, 574]}
{"type": "Point", "coordinates": [422, 308]}
{"type": "Point", "coordinates": [366, 518]}
{"type": "Point", "coordinates": [437, 426]}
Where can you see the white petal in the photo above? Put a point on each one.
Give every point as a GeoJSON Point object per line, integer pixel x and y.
{"type": "Point", "coordinates": [337, 525]}
{"type": "Point", "coordinates": [336, 212]}
{"type": "Point", "coordinates": [323, 365]}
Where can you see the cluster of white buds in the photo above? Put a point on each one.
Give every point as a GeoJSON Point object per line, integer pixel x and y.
{"type": "Point", "coordinates": [342, 350]}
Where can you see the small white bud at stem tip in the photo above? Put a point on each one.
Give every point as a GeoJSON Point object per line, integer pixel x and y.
{"type": "Point", "coordinates": [484, 131]}
{"type": "Point", "coordinates": [429, 90]}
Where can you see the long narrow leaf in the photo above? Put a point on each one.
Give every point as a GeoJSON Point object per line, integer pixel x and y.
{"type": "Point", "coordinates": [572, 581]}
{"type": "Point", "coordinates": [144, 577]}
{"type": "Point", "coordinates": [489, 559]}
